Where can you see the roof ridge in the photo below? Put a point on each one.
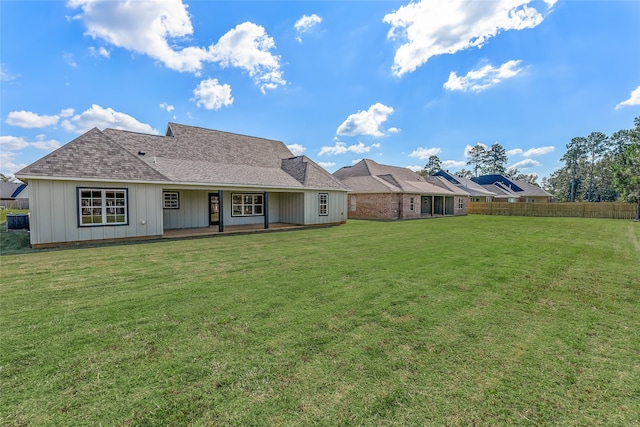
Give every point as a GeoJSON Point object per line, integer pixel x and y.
{"type": "Point", "coordinates": [132, 155]}
{"type": "Point", "coordinates": [221, 131]}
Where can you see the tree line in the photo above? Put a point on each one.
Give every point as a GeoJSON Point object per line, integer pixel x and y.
{"type": "Point", "coordinates": [599, 168]}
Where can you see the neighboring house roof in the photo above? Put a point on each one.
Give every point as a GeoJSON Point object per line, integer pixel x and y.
{"type": "Point", "coordinates": [186, 155]}
{"type": "Point", "coordinates": [368, 176]}
{"type": "Point", "coordinates": [507, 187]}
{"type": "Point", "coordinates": [473, 188]}
{"type": "Point", "coordinates": [10, 190]}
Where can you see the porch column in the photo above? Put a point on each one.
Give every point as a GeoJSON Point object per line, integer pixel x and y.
{"type": "Point", "coordinates": [220, 201]}
{"type": "Point", "coordinates": [266, 210]}
{"type": "Point", "coordinates": [432, 202]}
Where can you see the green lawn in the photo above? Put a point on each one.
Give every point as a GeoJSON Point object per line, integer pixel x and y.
{"type": "Point", "coordinates": [476, 320]}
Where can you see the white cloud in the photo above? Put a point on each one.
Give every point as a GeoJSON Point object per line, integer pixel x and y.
{"type": "Point", "coordinates": [296, 149]}
{"type": "Point", "coordinates": [12, 143]}
{"type": "Point", "coordinates": [538, 151]}
{"type": "Point", "coordinates": [212, 95]}
{"type": "Point", "coordinates": [366, 122]}
{"type": "Point", "coordinates": [446, 164]}
{"type": "Point", "coordinates": [634, 99]}
{"type": "Point", "coordinates": [102, 118]}
{"type": "Point", "coordinates": [482, 78]}
{"type": "Point", "coordinates": [16, 143]}
{"type": "Point", "coordinates": [248, 46]}
{"type": "Point", "coordinates": [414, 168]}
{"type": "Point", "coordinates": [67, 112]}
{"type": "Point", "coordinates": [305, 24]}
{"type": "Point", "coordinates": [429, 28]}
{"type": "Point", "coordinates": [155, 28]}
{"type": "Point", "coordinates": [5, 76]}
{"type": "Point", "coordinates": [393, 130]}
{"type": "Point", "coordinates": [7, 165]}
{"type": "Point", "coordinates": [424, 153]}
{"type": "Point", "coordinates": [468, 148]}
{"type": "Point", "coordinates": [524, 164]}
{"type": "Point", "coordinates": [68, 57]}
{"type": "Point", "coordinates": [101, 51]}
{"type": "Point", "coordinates": [28, 119]}
{"type": "Point", "coordinates": [341, 148]}
{"type": "Point", "coordinates": [167, 107]}
{"type": "Point", "coordinates": [147, 27]}
{"type": "Point", "coordinates": [514, 152]}
{"type": "Point", "coordinates": [326, 164]}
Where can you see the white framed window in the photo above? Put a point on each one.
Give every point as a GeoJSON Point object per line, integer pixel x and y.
{"type": "Point", "coordinates": [412, 203]}
{"type": "Point", "coordinates": [102, 206]}
{"type": "Point", "coordinates": [353, 203]}
{"type": "Point", "coordinates": [460, 203]}
{"type": "Point", "coordinates": [170, 200]}
{"type": "Point", "coordinates": [243, 204]}
{"type": "Point", "coordinates": [323, 204]}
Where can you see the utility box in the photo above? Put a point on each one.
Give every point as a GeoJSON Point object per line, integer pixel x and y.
{"type": "Point", "coordinates": [17, 222]}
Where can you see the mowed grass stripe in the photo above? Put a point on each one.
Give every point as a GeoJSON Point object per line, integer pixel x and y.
{"type": "Point", "coordinates": [458, 321]}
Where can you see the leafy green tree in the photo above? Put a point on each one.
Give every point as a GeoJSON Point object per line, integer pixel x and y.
{"type": "Point", "coordinates": [620, 140]}
{"type": "Point", "coordinates": [4, 178]}
{"type": "Point", "coordinates": [464, 173]}
{"type": "Point", "coordinates": [477, 158]}
{"type": "Point", "coordinates": [576, 153]}
{"type": "Point", "coordinates": [596, 148]}
{"type": "Point", "coordinates": [627, 169]}
{"type": "Point", "coordinates": [495, 160]}
{"type": "Point", "coordinates": [434, 164]}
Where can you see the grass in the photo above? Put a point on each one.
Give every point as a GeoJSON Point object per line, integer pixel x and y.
{"type": "Point", "coordinates": [475, 320]}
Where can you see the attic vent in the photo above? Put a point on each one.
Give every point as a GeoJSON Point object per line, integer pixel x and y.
{"type": "Point", "coordinates": [141, 153]}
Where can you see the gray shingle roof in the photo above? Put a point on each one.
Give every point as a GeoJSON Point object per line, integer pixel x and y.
{"type": "Point", "coordinates": [187, 154]}
{"type": "Point", "coordinates": [368, 176]}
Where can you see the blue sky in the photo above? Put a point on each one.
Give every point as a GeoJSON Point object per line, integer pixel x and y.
{"type": "Point", "coordinates": [337, 81]}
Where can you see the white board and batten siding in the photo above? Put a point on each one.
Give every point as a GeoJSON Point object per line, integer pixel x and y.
{"type": "Point", "coordinates": [336, 208]}
{"type": "Point", "coordinates": [54, 212]}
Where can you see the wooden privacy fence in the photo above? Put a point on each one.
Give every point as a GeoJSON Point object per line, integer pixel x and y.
{"type": "Point", "coordinates": [579, 209]}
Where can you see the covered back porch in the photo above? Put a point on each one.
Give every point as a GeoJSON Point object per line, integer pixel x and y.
{"type": "Point", "coordinates": [436, 205]}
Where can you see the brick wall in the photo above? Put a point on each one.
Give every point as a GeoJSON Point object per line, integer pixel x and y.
{"type": "Point", "coordinates": [393, 206]}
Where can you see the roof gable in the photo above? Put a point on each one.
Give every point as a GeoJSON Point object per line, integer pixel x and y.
{"type": "Point", "coordinates": [92, 155]}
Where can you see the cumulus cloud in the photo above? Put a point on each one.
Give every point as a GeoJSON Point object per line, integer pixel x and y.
{"type": "Point", "coordinates": [429, 28]}
{"type": "Point", "coordinates": [167, 107]}
{"type": "Point", "coordinates": [326, 164]}
{"type": "Point", "coordinates": [296, 149]}
{"type": "Point", "coordinates": [446, 164]}
{"type": "Point", "coordinates": [482, 78]}
{"type": "Point", "coordinates": [212, 95]}
{"type": "Point", "coordinates": [524, 164]}
{"type": "Point", "coordinates": [102, 118]}
{"type": "Point", "coordinates": [156, 29]}
{"type": "Point", "coordinates": [16, 143]}
{"type": "Point", "coordinates": [634, 99]}
{"type": "Point", "coordinates": [414, 168]}
{"type": "Point", "coordinates": [248, 46]}
{"type": "Point", "coordinates": [305, 24]}
{"type": "Point", "coordinates": [539, 151]}
{"type": "Point", "coordinates": [5, 76]}
{"type": "Point", "coordinates": [366, 122]}
{"type": "Point", "coordinates": [7, 165]}
{"type": "Point", "coordinates": [393, 130]}
{"type": "Point", "coordinates": [341, 148]}
{"type": "Point", "coordinates": [28, 119]}
{"type": "Point", "coordinates": [101, 51]}
{"type": "Point", "coordinates": [425, 153]}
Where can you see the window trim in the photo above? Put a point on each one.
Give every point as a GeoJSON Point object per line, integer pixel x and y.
{"type": "Point", "coordinates": [103, 206]}
{"type": "Point", "coordinates": [164, 200]}
{"type": "Point", "coordinates": [460, 203]}
{"type": "Point", "coordinates": [243, 205]}
{"type": "Point", "coordinates": [412, 203]}
{"type": "Point", "coordinates": [323, 207]}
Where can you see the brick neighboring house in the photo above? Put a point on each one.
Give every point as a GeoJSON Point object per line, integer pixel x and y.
{"type": "Point", "coordinates": [393, 193]}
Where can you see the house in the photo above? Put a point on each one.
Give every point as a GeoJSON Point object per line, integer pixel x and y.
{"type": "Point", "coordinates": [477, 193]}
{"type": "Point", "coordinates": [512, 191]}
{"type": "Point", "coordinates": [391, 192]}
{"type": "Point", "coordinates": [115, 184]}
{"type": "Point", "coordinates": [13, 195]}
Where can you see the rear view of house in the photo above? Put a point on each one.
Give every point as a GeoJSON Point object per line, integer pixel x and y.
{"type": "Point", "coordinates": [391, 193]}
{"type": "Point", "coordinates": [114, 184]}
